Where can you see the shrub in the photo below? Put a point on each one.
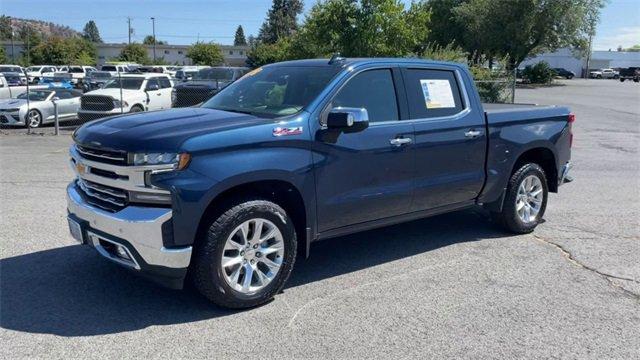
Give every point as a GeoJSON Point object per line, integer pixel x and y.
{"type": "Point", "coordinates": [540, 73]}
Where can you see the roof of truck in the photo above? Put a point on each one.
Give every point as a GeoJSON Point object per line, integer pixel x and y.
{"type": "Point", "coordinates": [343, 62]}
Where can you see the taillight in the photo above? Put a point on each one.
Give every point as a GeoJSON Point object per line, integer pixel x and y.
{"type": "Point", "coordinates": [571, 118]}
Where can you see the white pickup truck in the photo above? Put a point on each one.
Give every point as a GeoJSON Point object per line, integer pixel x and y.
{"type": "Point", "coordinates": [127, 93]}
{"type": "Point", "coordinates": [11, 92]}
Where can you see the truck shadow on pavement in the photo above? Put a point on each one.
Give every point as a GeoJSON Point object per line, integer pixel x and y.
{"type": "Point", "coordinates": [71, 291]}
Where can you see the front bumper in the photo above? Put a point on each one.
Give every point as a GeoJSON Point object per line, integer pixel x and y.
{"type": "Point", "coordinates": [12, 118]}
{"type": "Point", "coordinates": [139, 230]}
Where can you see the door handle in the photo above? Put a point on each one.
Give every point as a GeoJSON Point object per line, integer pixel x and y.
{"type": "Point", "coordinates": [400, 141]}
{"type": "Point", "coordinates": [159, 94]}
{"type": "Point", "coordinates": [472, 133]}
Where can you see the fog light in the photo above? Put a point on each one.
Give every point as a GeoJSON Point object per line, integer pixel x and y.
{"type": "Point", "coordinates": [122, 252]}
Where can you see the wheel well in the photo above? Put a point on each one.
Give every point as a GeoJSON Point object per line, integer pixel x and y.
{"type": "Point", "coordinates": [545, 159]}
{"type": "Point", "coordinates": [138, 106]}
{"type": "Point", "coordinates": [280, 192]}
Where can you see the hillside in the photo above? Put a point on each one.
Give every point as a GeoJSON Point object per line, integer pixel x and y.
{"type": "Point", "coordinates": [43, 28]}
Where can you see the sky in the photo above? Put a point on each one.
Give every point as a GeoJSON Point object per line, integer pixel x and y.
{"type": "Point", "coordinates": [187, 21]}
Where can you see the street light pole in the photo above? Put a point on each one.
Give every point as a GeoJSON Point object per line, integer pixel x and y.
{"type": "Point", "coordinates": [153, 24]}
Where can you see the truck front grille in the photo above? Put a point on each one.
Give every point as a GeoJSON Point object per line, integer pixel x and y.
{"type": "Point", "coordinates": [102, 155]}
{"type": "Point", "coordinates": [96, 103]}
{"type": "Point", "coordinates": [105, 197]}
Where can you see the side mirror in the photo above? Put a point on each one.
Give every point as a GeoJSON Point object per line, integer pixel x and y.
{"type": "Point", "coordinates": [345, 117]}
{"type": "Point", "coordinates": [55, 98]}
{"type": "Point", "coordinates": [153, 87]}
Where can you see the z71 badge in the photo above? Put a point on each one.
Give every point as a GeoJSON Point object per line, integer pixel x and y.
{"type": "Point", "coordinates": [285, 131]}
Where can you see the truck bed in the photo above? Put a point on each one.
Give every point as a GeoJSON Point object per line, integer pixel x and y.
{"type": "Point", "coordinates": [491, 108]}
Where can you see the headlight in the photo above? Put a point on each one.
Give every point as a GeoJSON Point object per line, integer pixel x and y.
{"type": "Point", "coordinates": [179, 161]}
{"type": "Point", "coordinates": [117, 103]}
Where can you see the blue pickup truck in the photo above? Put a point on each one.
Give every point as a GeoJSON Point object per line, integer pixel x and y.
{"type": "Point", "coordinates": [226, 194]}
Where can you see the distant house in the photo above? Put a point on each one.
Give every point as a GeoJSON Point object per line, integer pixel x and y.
{"type": "Point", "coordinates": [565, 58]}
{"type": "Point", "coordinates": [172, 54]}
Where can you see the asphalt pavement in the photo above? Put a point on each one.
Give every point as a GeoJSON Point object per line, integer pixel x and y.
{"type": "Point", "coordinates": [451, 286]}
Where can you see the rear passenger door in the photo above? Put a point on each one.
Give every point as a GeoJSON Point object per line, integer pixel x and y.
{"type": "Point", "coordinates": [450, 139]}
{"type": "Point", "coordinates": [165, 90]}
{"type": "Point", "coordinates": [360, 174]}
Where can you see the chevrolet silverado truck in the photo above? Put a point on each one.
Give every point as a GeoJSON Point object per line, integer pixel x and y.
{"type": "Point", "coordinates": [226, 194]}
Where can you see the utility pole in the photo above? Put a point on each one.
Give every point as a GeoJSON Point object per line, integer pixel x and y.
{"type": "Point", "coordinates": [153, 24]}
{"type": "Point", "coordinates": [586, 74]}
{"type": "Point", "coordinates": [129, 32]}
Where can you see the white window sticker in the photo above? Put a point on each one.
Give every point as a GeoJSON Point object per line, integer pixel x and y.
{"type": "Point", "coordinates": [437, 94]}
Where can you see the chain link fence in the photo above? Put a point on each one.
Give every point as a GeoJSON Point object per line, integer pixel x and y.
{"type": "Point", "coordinates": [61, 103]}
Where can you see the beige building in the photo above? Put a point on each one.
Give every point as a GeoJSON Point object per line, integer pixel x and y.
{"type": "Point", "coordinates": [172, 54]}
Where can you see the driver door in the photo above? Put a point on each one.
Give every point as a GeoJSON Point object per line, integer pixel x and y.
{"type": "Point", "coordinates": [365, 174]}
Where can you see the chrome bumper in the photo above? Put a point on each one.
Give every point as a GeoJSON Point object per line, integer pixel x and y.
{"type": "Point", "coordinates": [140, 227]}
{"type": "Point", "coordinates": [565, 177]}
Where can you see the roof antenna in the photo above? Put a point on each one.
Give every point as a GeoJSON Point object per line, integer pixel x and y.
{"type": "Point", "coordinates": [335, 58]}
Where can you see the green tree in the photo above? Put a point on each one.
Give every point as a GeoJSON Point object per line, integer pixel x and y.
{"type": "Point", "coordinates": [91, 32]}
{"type": "Point", "coordinates": [64, 51]}
{"type": "Point", "coordinates": [365, 28]}
{"type": "Point", "coordinates": [634, 48]}
{"type": "Point", "coordinates": [135, 53]}
{"type": "Point", "coordinates": [3, 56]}
{"type": "Point", "coordinates": [239, 39]}
{"type": "Point", "coordinates": [519, 29]}
{"type": "Point", "coordinates": [281, 20]}
{"type": "Point", "coordinates": [205, 54]}
{"type": "Point", "coordinates": [263, 54]}
{"type": "Point", "coordinates": [149, 39]}
{"type": "Point", "coordinates": [5, 28]}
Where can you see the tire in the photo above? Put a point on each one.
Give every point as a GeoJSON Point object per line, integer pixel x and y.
{"type": "Point", "coordinates": [217, 283]}
{"type": "Point", "coordinates": [36, 123]}
{"type": "Point", "coordinates": [509, 218]}
{"type": "Point", "coordinates": [135, 109]}
{"type": "Point", "coordinates": [621, 79]}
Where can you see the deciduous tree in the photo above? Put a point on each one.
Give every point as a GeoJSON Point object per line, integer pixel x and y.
{"type": "Point", "coordinates": [205, 54]}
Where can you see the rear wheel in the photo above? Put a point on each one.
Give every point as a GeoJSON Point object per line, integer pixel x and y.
{"type": "Point", "coordinates": [525, 200]}
{"type": "Point", "coordinates": [136, 108]}
{"type": "Point", "coordinates": [246, 256]}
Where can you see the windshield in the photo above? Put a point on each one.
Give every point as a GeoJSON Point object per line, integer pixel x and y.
{"type": "Point", "coordinates": [75, 69]}
{"type": "Point", "coordinates": [214, 74]}
{"type": "Point", "coordinates": [273, 91]}
{"type": "Point", "coordinates": [109, 68]}
{"type": "Point", "coordinates": [125, 83]}
{"type": "Point", "coordinates": [35, 95]}
{"type": "Point", "coordinates": [12, 77]}
{"type": "Point", "coordinates": [10, 69]}
{"type": "Point", "coordinates": [34, 68]}
{"type": "Point", "coordinates": [181, 74]}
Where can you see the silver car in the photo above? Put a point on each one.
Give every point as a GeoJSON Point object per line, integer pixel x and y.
{"type": "Point", "coordinates": [38, 108]}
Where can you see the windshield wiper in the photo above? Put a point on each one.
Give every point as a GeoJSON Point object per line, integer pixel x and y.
{"type": "Point", "coordinates": [235, 111]}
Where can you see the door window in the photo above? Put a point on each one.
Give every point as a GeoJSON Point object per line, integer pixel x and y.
{"type": "Point", "coordinates": [64, 94]}
{"type": "Point", "coordinates": [152, 83]}
{"type": "Point", "coordinates": [372, 90]}
{"type": "Point", "coordinates": [165, 83]}
{"type": "Point", "coordinates": [432, 93]}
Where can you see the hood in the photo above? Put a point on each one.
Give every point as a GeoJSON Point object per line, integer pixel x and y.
{"type": "Point", "coordinates": [199, 84]}
{"type": "Point", "coordinates": [13, 103]}
{"type": "Point", "coordinates": [114, 93]}
{"type": "Point", "coordinates": [160, 130]}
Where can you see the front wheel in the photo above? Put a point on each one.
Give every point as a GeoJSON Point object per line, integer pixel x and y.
{"type": "Point", "coordinates": [525, 200]}
{"type": "Point", "coordinates": [246, 256]}
{"type": "Point", "coordinates": [33, 119]}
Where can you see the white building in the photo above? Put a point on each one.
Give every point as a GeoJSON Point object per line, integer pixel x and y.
{"type": "Point", "coordinates": [565, 58]}
{"type": "Point", "coordinates": [172, 54]}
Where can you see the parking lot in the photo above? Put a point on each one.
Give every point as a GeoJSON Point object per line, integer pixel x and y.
{"type": "Point", "coordinates": [451, 286]}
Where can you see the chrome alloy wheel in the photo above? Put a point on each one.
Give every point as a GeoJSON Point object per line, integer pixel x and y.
{"type": "Point", "coordinates": [34, 118]}
{"type": "Point", "coordinates": [252, 255]}
{"type": "Point", "coordinates": [529, 199]}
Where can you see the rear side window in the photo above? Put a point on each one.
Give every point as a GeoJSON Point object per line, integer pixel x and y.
{"type": "Point", "coordinates": [372, 90]}
{"type": "Point", "coordinates": [432, 93]}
